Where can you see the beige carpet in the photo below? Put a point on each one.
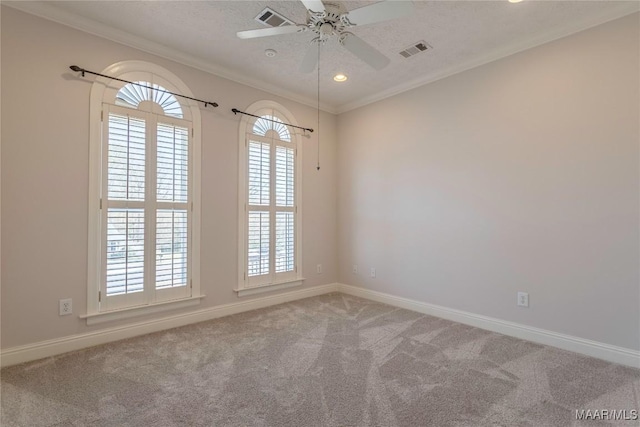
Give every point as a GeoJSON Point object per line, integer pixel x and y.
{"type": "Point", "coordinates": [333, 360]}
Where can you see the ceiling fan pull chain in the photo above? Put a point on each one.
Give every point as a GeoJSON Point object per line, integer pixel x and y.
{"type": "Point", "coordinates": [319, 47]}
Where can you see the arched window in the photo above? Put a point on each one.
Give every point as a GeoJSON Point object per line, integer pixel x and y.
{"type": "Point", "coordinates": [144, 209]}
{"type": "Point", "coordinates": [270, 196]}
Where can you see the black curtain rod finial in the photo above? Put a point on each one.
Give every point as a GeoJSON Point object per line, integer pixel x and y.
{"type": "Point", "coordinates": [77, 69]}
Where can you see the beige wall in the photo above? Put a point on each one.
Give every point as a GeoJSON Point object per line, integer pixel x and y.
{"type": "Point", "coordinates": [520, 175]}
{"type": "Point", "coordinates": [45, 117]}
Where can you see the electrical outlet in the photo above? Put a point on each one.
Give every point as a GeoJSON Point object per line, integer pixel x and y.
{"type": "Point", "coordinates": [319, 268]}
{"type": "Point", "coordinates": [523, 299]}
{"type": "Point", "coordinates": [66, 307]}
{"type": "Point", "coordinates": [373, 272]}
{"type": "Point", "coordinates": [354, 270]}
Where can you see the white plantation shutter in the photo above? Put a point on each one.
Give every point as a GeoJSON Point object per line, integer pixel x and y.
{"type": "Point", "coordinates": [172, 217]}
{"type": "Point", "coordinates": [259, 173]}
{"type": "Point", "coordinates": [126, 161]}
{"type": "Point", "coordinates": [285, 242]}
{"type": "Point", "coordinates": [258, 218]}
{"type": "Point", "coordinates": [171, 248]}
{"type": "Point", "coordinates": [258, 243]}
{"type": "Point", "coordinates": [172, 164]}
{"type": "Point", "coordinates": [285, 183]}
{"type": "Point", "coordinates": [285, 202]}
{"type": "Point", "coordinates": [146, 209]}
{"type": "Point", "coordinates": [271, 206]}
{"type": "Point", "coordinates": [125, 251]}
{"type": "Point", "coordinates": [124, 210]}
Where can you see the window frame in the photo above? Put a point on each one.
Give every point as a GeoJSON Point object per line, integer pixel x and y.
{"type": "Point", "coordinates": [286, 279]}
{"type": "Point", "coordinates": [103, 92]}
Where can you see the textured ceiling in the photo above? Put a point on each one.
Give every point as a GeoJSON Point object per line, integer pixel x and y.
{"type": "Point", "coordinates": [463, 34]}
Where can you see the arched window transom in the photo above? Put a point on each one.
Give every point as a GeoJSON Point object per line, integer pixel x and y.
{"type": "Point", "coordinates": [131, 95]}
{"type": "Point", "coordinates": [268, 123]}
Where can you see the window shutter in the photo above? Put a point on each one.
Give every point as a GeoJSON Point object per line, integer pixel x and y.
{"type": "Point", "coordinates": [171, 248]}
{"type": "Point", "coordinates": [259, 173]}
{"type": "Point", "coordinates": [125, 236]}
{"type": "Point", "coordinates": [285, 242]}
{"type": "Point", "coordinates": [125, 251]}
{"type": "Point", "coordinates": [172, 184]}
{"type": "Point", "coordinates": [285, 198]}
{"type": "Point", "coordinates": [147, 233]}
{"type": "Point", "coordinates": [172, 163]}
{"type": "Point", "coordinates": [126, 164]}
{"type": "Point", "coordinates": [258, 243]}
{"type": "Point", "coordinates": [285, 190]}
{"type": "Point", "coordinates": [258, 221]}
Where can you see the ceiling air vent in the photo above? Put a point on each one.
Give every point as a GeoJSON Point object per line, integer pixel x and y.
{"type": "Point", "coordinates": [415, 48]}
{"type": "Point", "coordinates": [271, 18]}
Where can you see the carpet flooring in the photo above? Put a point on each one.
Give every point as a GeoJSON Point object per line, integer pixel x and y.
{"type": "Point", "coordinates": [331, 360]}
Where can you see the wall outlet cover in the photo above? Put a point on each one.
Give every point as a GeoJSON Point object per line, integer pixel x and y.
{"type": "Point", "coordinates": [523, 299]}
{"type": "Point", "coordinates": [66, 306]}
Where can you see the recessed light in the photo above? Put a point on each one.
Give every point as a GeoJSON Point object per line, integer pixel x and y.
{"type": "Point", "coordinates": [340, 78]}
{"type": "Point", "coordinates": [270, 53]}
{"type": "Point", "coordinates": [515, 1]}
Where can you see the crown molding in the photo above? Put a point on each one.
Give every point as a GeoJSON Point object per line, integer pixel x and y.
{"type": "Point", "coordinates": [47, 11]}
{"type": "Point", "coordinates": [573, 27]}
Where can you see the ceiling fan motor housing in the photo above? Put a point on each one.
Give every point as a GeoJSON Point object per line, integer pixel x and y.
{"type": "Point", "coordinates": [332, 21]}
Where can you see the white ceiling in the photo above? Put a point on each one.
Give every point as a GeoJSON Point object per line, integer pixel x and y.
{"type": "Point", "coordinates": [463, 34]}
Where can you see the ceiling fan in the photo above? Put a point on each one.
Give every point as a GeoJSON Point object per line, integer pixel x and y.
{"type": "Point", "coordinates": [330, 19]}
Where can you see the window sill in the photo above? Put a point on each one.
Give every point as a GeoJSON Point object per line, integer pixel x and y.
{"type": "Point", "coordinates": [126, 313]}
{"type": "Point", "coordinates": [243, 292]}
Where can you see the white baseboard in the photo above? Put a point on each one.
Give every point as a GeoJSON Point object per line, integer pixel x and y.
{"type": "Point", "coordinates": [39, 350]}
{"type": "Point", "coordinates": [610, 353]}
{"type": "Point", "coordinates": [26, 353]}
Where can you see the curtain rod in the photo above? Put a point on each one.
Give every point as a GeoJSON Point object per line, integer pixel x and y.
{"type": "Point", "coordinates": [236, 111]}
{"type": "Point", "coordinates": [83, 71]}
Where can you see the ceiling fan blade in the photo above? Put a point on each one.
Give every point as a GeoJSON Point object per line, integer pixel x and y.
{"type": "Point", "coordinates": [310, 58]}
{"type": "Point", "coordinates": [313, 5]}
{"type": "Point", "coordinates": [381, 11]}
{"type": "Point", "coordinates": [263, 32]}
{"type": "Point", "coordinates": [365, 51]}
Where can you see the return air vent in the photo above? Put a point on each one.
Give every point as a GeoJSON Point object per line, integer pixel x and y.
{"type": "Point", "coordinates": [415, 49]}
{"type": "Point", "coordinates": [271, 18]}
